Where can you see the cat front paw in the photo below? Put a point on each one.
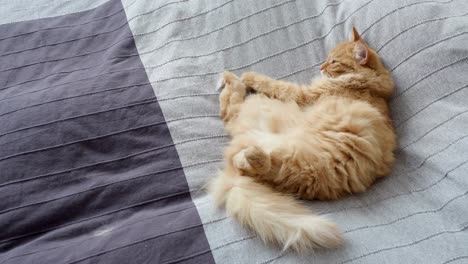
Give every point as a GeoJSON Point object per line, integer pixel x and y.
{"type": "Point", "coordinates": [249, 79]}
{"type": "Point", "coordinates": [231, 81]}
{"type": "Point", "coordinates": [229, 77]}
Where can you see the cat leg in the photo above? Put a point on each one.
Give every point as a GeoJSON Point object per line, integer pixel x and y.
{"type": "Point", "coordinates": [281, 90]}
{"type": "Point", "coordinates": [231, 97]}
{"type": "Point", "coordinates": [319, 176]}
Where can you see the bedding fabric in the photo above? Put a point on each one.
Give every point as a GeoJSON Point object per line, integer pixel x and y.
{"type": "Point", "coordinates": [109, 127]}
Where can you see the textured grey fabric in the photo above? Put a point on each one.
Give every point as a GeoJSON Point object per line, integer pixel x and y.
{"type": "Point", "coordinates": [416, 215]}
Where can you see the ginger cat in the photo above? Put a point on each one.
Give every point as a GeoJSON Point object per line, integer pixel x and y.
{"type": "Point", "coordinates": [320, 141]}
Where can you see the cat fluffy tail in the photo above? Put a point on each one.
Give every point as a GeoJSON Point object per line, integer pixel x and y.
{"type": "Point", "coordinates": [275, 217]}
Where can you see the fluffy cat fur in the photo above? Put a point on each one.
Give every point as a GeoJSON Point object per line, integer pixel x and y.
{"type": "Point", "coordinates": [319, 141]}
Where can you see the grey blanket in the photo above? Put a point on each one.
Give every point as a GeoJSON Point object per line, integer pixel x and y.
{"type": "Point", "coordinates": [109, 127]}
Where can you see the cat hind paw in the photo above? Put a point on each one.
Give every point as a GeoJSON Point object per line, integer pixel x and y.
{"type": "Point", "coordinates": [252, 160]}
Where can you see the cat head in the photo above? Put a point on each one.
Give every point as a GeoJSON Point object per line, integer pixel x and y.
{"type": "Point", "coordinates": [352, 56]}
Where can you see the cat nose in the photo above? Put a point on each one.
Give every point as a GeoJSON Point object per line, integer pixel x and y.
{"type": "Point", "coordinates": [323, 66]}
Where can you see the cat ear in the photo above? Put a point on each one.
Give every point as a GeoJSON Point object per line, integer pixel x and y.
{"type": "Point", "coordinates": [355, 36]}
{"type": "Point", "coordinates": [361, 53]}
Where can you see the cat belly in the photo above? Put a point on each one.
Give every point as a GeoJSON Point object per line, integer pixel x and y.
{"type": "Point", "coordinates": [266, 140]}
{"type": "Point", "coordinates": [269, 115]}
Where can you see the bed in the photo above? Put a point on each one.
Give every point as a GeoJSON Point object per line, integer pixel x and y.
{"type": "Point", "coordinates": [109, 127]}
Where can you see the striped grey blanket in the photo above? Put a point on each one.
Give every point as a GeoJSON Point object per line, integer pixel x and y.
{"type": "Point", "coordinates": [109, 127]}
